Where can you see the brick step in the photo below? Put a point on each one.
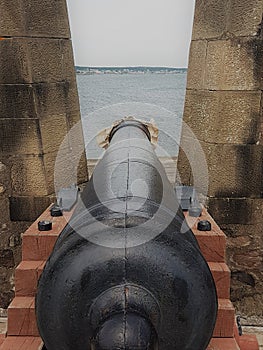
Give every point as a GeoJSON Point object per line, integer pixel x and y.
{"type": "Point", "coordinates": [21, 317]}
{"type": "Point", "coordinates": [223, 344]}
{"type": "Point", "coordinates": [224, 327]}
{"type": "Point", "coordinates": [22, 320]}
{"type": "Point", "coordinates": [2, 338]}
{"type": "Point", "coordinates": [35, 343]}
{"type": "Point", "coordinates": [221, 275]}
{"type": "Point", "coordinates": [22, 343]}
{"type": "Point", "coordinates": [212, 243]}
{"type": "Point", "coordinates": [28, 272]}
{"type": "Point", "coordinates": [26, 277]}
{"type": "Point", "coordinates": [38, 245]}
{"type": "Point", "coordinates": [246, 341]}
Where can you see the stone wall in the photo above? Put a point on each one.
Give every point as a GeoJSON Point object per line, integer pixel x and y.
{"type": "Point", "coordinates": [39, 100]}
{"type": "Point", "coordinates": [6, 255]}
{"type": "Point", "coordinates": [224, 109]}
{"type": "Point", "coordinates": [10, 241]}
{"type": "Point", "coordinates": [38, 106]}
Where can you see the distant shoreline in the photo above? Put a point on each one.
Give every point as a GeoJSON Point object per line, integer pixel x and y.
{"type": "Point", "coordinates": [128, 70]}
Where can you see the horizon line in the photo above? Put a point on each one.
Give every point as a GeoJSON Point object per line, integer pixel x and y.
{"type": "Point", "coordinates": [77, 65]}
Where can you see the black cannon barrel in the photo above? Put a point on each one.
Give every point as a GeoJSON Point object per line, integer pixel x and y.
{"type": "Point", "coordinates": [126, 273]}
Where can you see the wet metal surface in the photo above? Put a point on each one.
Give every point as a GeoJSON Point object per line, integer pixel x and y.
{"type": "Point", "coordinates": [125, 274]}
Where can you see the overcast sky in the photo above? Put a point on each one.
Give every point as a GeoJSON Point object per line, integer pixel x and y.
{"type": "Point", "coordinates": [131, 32]}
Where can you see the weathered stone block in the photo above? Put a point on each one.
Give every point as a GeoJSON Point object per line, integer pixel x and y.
{"type": "Point", "coordinates": [4, 210]}
{"type": "Point", "coordinates": [250, 308]}
{"type": "Point", "coordinates": [46, 58]}
{"type": "Point", "coordinates": [68, 60]}
{"type": "Point", "coordinates": [197, 65]}
{"type": "Point", "coordinates": [236, 211]}
{"type": "Point", "coordinates": [231, 65]}
{"type": "Point", "coordinates": [72, 98]}
{"type": "Point", "coordinates": [234, 170]}
{"type": "Point", "coordinates": [53, 132]}
{"type": "Point", "coordinates": [19, 136]}
{"type": "Point", "coordinates": [5, 234]}
{"type": "Point", "coordinates": [59, 170]}
{"type": "Point", "coordinates": [82, 170]}
{"type": "Point", "coordinates": [246, 292]}
{"type": "Point", "coordinates": [12, 18]}
{"type": "Point", "coordinates": [7, 258]}
{"type": "Point", "coordinates": [77, 147]}
{"type": "Point", "coordinates": [4, 180]}
{"type": "Point", "coordinates": [224, 117]}
{"type": "Point", "coordinates": [34, 18]}
{"type": "Point", "coordinates": [29, 208]}
{"type": "Point", "coordinates": [247, 242]}
{"type": "Point", "coordinates": [6, 297]}
{"type": "Point", "coordinates": [13, 53]}
{"type": "Point", "coordinates": [231, 169]}
{"type": "Point", "coordinates": [253, 261]}
{"type": "Point", "coordinates": [210, 18]}
{"type": "Point", "coordinates": [246, 234]}
{"type": "Point", "coordinates": [74, 119]}
{"type": "Point", "coordinates": [192, 163]}
{"type": "Point", "coordinates": [64, 169]}
{"type": "Point", "coordinates": [57, 98]}
{"type": "Point", "coordinates": [245, 17]}
{"type": "Point", "coordinates": [50, 98]}
{"type": "Point", "coordinates": [36, 60]}
{"type": "Point", "coordinates": [244, 252]}
{"type": "Point", "coordinates": [51, 60]}
{"type": "Point", "coordinates": [183, 171]}
{"type": "Point", "coordinates": [28, 176]}
{"type": "Point", "coordinates": [17, 101]}
{"type": "Point", "coordinates": [76, 139]}
{"type": "Point", "coordinates": [46, 18]}
{"type": "Point", "coordinates": [6, 276]}
{"type": "Point", "coordinates": [256, 51]}
{"type": "Point", "coordinates": [215, 19]}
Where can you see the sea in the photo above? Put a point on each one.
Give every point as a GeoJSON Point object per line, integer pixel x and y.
{"type": "Point", "coordinates": [105, 98]}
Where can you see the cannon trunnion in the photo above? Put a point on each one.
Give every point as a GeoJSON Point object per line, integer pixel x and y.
{"type": "Point", "coordinates": [126, 272]}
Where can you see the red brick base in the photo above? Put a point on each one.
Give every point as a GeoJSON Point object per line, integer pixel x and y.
{"type": "Point", "coordinates": [22, 333]}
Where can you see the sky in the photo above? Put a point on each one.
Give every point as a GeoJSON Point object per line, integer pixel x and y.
{"type": "Point", "coordinates": [131, 32]}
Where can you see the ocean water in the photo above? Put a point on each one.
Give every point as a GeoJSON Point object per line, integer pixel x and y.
{"type": "Point", "coordinates": [105, 98]}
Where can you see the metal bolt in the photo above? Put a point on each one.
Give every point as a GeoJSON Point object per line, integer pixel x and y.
{"type": "Point", "coordinates": [45, 225]}
{"type": "Point", "coordinates": [56, 211]}
{"type": "Point", "coordinates": [204, 225]}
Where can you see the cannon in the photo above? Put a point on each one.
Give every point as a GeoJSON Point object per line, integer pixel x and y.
{"type": "Point", "coordinates": [126, 273]}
